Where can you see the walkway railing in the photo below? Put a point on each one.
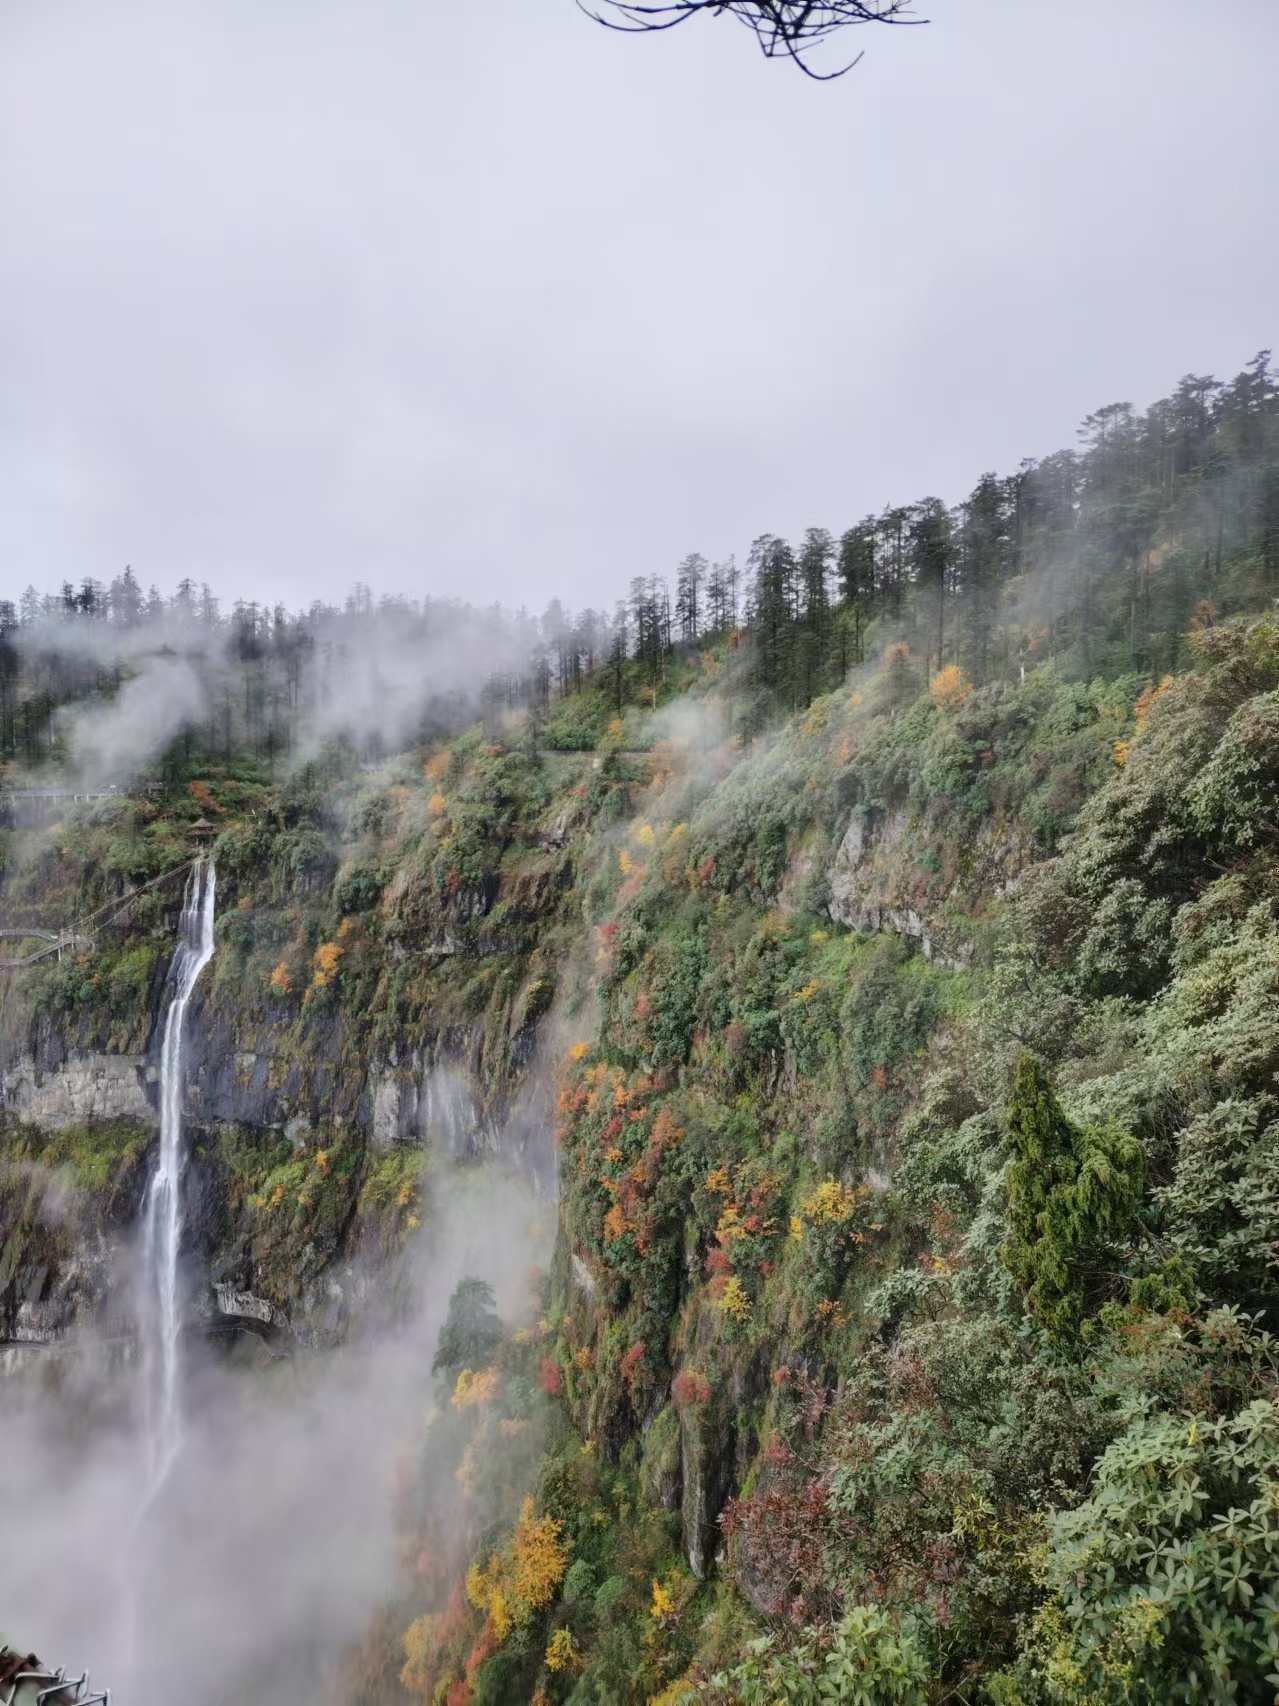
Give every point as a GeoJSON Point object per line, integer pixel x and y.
{"type": "Point", "coordinates": [78, 936]}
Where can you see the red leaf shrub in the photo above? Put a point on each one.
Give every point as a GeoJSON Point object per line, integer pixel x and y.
{"type": "Point", "coordinates": [633, 1360]}
{"type": "Point", "coordinates": [688, 1388]}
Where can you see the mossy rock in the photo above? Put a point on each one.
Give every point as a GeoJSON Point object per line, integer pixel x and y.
{"type": "Point", "coordinates": [661, 1476]}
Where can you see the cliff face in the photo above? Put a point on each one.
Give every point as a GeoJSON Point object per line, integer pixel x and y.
{"type": "Point", "coordinates": [338, 1037]}
{"type": "Point", "coordinates": [873, 879]}
{"type": "Point", "coordinates": [81, 1128]}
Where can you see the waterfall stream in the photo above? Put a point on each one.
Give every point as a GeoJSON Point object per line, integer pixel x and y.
{"type": "Point", "coordinates": [162, 1221]}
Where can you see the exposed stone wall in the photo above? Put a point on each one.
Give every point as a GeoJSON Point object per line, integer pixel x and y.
{"type": "Point", "coordinates": [874, 882]}
{"type": "Point", "coordinates": [84, 1089]}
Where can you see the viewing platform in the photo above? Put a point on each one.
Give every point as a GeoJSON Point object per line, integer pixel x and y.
{"type": "Point", "coordinates": [32, 808]}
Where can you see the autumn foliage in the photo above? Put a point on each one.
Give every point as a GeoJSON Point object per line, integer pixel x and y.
{"type": "Point", "coordinates": [689, 1388]}
{"type": "Point", "coordinates": [325, 963]}
{"type": "Point", "coordinates": [475, 1390]}
{"type": "Point", "coordinates": [521, 1579]}
{"type": "Point", "coordinates": [949, 688]}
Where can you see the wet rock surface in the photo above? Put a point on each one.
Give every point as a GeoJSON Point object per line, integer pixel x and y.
{"type": "Point", "coordinates": [77, 1090]}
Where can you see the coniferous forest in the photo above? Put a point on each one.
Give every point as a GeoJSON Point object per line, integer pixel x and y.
{"type": "Point", "coordinates": [1098, 560]}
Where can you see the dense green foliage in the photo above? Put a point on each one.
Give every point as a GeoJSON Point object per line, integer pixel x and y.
{"type": "Point", "coordinates": [932, 1258]}
{"type": "Point", "coordinates": [1160, 1584]}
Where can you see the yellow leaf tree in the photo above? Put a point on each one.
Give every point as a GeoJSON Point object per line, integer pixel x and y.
{"type": "Point", "coordinates": [521, 1579]}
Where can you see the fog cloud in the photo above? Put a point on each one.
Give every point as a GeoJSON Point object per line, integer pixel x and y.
{"type": "Point", "coordinates": [274, 1538]}
{"type": "Point", "coordinates": [111, 743]}
{"type": "Point", "coordinates": [379, 676]}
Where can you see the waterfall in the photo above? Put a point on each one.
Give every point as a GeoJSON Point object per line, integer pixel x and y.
{"type": "Point", "coordinates": [162, 1224]}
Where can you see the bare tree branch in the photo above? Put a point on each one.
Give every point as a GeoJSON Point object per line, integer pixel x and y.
{"type": "Point", "coordinates": [789, 27]}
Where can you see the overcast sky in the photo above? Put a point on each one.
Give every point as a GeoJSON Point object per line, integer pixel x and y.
{"type": "Point", "coordinates": [477, 298]}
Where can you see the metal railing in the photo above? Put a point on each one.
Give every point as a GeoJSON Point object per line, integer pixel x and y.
{"type": "Point", "coordinates": [79, 935]}
{"type": "Point", "coordinates": [26, 1680]}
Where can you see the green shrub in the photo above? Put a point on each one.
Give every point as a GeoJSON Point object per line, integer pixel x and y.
{"type": "Point", "coordinates": [1235, 799]}
{"type": "Point", "coordinates": [1221, 1211]}
{"type": "Point", "coordinates": [608, 1594]}
{"type": "Point", "coordinates": [867, 1660]}
{"type": "Point", "coordinates": [1161, 1583]}
{"type": "Point", "coordinates": [359, 889]}
{"type": "Point", "coordinates": [580, 1583]}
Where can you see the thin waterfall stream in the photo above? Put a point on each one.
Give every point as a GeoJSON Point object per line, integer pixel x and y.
{"type": "Point", "coordinates": [162, 1220]}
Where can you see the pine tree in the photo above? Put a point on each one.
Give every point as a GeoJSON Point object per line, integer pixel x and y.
{"type": "Point", "coordinates": [930, 547]}
{"type": "Point", "coordinates": [857, 586]}
{"type": "Point", "coordinates": [816, 639]}
{"type": "Point", "coordinates": [721, 597]}
{"type": "Point", "coordinates": [1072, 1193]}
{"type": "Point", "coordinates": [984, 555]}
{"type": "Point", "coordinates": [123, 602]}
{"type": "Point", "coordinates": [773, 609]}
{"type": "Point", "coordinates": [891, 528]}
{"type": "Point", "coordinates": [689, 578]}
{"type": "Point", "coordinates": [471, 1331]}
{"type": "Point", "coordinates": [10, 677]}
{"type": "Point", "coordinates": [617, 653]}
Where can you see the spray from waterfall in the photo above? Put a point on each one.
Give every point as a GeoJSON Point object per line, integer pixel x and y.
{"type": "Point", "coordinates": [162, 1223]}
